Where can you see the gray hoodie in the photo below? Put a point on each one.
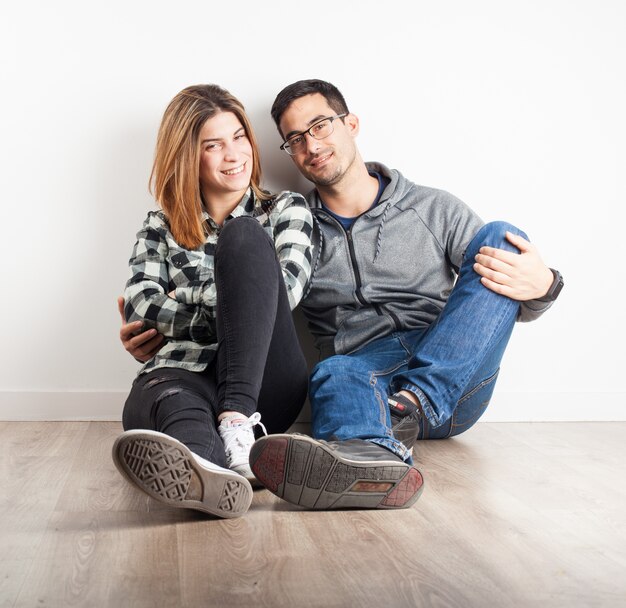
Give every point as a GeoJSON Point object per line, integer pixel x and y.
{"type": "Point", "coordinates": [393, 270]}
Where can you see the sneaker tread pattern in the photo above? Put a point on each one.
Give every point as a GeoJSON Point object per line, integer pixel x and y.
{"type": "Point", "coordinates": [299, 457]}
{"type": "Point", "coordinates": [320, 468]}
{"type": "Point", "coordinates": [166, 472]}
{"type": "Point", "coordinates": [305, 473]}
{"type": "Point", "coordinates": [269, 464]}
{"type": "Point", "coordinates": [344, 476]}
{"type": "Point", "coordinates": [233, 496]}
{"type": "Point", "coordinates": [162, 468]}
{"type": "Point", "coordinates": [408, 490]}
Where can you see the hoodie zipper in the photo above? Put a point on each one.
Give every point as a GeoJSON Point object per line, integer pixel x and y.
{"type": "Point", "coordinates": [355, 267]}
{"type": "Point", "coordinates": [359, 294]}
{"type": "Point", "coordinates": [357, 274]}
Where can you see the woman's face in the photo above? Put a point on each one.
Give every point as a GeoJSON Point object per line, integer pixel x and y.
{"type": "Point", "coordinates": [225, 156]}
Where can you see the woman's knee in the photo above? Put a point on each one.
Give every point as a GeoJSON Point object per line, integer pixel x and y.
{"type": "Point", "coordinates": [242, 233]}
{"type": "Point", "coordinates": [244, 249]}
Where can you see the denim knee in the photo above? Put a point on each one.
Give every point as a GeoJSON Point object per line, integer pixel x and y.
{"type": "Point", "coordinates": [493, 234]}
{"type": "Point", "coordinates": [338, 368]}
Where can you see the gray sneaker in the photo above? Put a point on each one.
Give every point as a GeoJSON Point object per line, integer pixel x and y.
{"type": "Point", "coordinates": [166, 470]}
{"type": "Point", "coordinates": [405, 419]}
{"type": "Point", "coordinates": [334, 474]}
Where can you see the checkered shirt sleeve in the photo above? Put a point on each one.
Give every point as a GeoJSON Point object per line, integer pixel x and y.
{"type": "Point", "coordinates": [292, 225]}
{"type": "Point", "coordinates": [159, 266]}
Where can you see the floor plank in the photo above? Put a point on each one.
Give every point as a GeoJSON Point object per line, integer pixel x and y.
{"type": "Point", "coordinates": [34, 462]}
{"type": "Point", "coordinates": [515, 514]}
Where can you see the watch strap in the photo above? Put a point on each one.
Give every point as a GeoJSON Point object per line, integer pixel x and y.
{"type": "Point", "coordinates": [555, 289]}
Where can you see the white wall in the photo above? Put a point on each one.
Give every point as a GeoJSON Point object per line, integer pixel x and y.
{"type": "Point", "coordinates": [517, 108]}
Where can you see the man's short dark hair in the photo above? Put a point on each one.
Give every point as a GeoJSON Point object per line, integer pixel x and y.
{"type": "Point", "coordinates": [331, 93]}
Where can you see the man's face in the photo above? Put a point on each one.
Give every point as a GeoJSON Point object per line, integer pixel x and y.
{"type": "Point", "coordinates": [322, 161]}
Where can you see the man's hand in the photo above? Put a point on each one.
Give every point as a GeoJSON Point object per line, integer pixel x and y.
{"type": "Point", "coordinates": [520, 276]}
{"type": "Point", "coordinates": [142, 346]}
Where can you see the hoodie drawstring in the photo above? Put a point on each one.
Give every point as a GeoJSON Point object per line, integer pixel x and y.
{"type": "Point", "coordinates": [380, 230]}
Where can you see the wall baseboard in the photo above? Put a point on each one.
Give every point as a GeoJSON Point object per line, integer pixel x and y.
{"type": "Point", "coordinates": [505, 407]}
{"type": "Point", "coordinates": [61, 405]}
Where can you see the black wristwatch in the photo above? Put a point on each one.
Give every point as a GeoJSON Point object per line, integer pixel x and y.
{"type": "Point", "coordinates": [555, 288]}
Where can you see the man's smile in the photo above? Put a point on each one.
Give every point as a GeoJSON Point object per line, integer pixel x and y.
{"type": "Point", "coordinates": [319, 160]}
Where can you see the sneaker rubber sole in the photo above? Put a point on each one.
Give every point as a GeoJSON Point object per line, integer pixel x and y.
{"type": "Point", "coordinates": [166, 470]}
{"type": "Point", "coordinates": [306, 472]}
{"type": "Point", "coordinates": [246, 472]}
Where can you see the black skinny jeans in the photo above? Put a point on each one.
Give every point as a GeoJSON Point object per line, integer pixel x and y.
{"type": "Point", "coordinates": [259, 365]}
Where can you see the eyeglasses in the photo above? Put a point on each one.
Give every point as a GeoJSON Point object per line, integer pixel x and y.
{"type": "Point", "coordinates": [321, 129]}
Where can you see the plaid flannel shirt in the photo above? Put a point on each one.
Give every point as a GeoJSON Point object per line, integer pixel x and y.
{"type": "Point", "coordinates": [160, 265]}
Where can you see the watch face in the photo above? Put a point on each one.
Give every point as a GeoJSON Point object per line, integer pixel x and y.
{"type": "Point", "coordinates": [558, 287]}
{"type": "Point", "coordinates": [555, 288]}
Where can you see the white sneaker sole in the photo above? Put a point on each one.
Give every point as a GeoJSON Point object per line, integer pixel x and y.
{"type": "Point", "coordinates": [166, 470]}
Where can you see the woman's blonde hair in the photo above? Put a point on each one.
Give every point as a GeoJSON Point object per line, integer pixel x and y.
{"type": "Point", "coordinates": [175, 177]}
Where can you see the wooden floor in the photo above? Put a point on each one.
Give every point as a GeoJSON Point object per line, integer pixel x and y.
{"type": "Point", "coordinates": [512, 515]}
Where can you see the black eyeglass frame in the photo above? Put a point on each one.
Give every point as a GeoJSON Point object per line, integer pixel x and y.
{"type": "Point", "coordinates": [286, 146]}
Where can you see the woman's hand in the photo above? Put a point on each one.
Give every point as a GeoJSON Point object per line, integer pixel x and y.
{"type": "Point", "coordinates": [142, 345]}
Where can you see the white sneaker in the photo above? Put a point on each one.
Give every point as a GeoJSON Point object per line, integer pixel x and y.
{"type": "Point", "coordinates": [168, 471]}
{"type": "Point", "coordinates": [237, 433]}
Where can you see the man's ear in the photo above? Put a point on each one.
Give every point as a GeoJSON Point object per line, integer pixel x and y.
{"type": "Point", "coordinates": [352, 122]}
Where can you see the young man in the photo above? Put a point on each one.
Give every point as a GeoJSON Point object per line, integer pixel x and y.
{"type": "Point", "coordinates": [411, 304]}
{"type": "Point", "coordinates": [408, 350]}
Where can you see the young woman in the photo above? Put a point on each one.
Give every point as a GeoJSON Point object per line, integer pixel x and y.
{"type": "Point", "coordinates": [216, 271]}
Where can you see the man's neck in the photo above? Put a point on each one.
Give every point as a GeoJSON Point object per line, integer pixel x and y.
{"type": "Point", "coordinates": [353, 195]}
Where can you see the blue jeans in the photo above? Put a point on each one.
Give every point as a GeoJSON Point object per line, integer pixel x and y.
{"type": "Point", "coordinates": [451, 366]}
